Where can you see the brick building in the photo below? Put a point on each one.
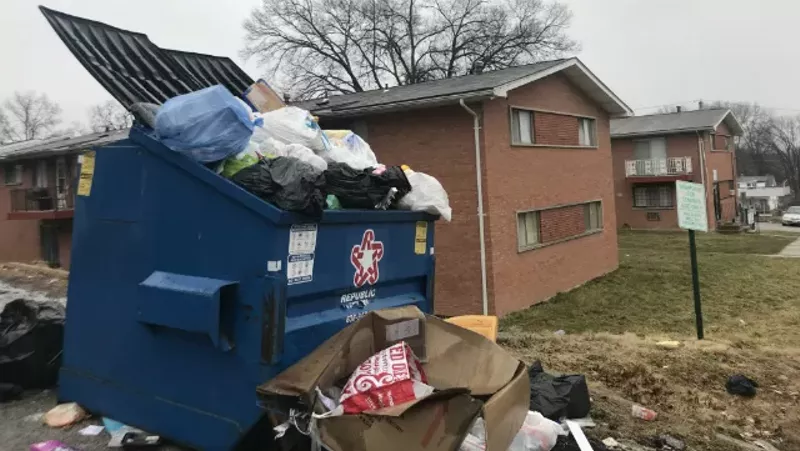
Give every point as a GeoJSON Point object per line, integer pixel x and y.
{"type": "Point", "coordinates": [652, 152]}
{"type": "Point", "coordinates": [37, 196]}
{"type": "Point", "coordinates": [541, 145]}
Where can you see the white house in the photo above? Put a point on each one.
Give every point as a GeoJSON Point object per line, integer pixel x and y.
{"type": "Point", "coordinates": [762, 192]}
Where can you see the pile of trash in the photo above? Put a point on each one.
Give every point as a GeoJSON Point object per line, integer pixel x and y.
{"type": "Point", "coordinates": [280, 154]}
{"type": "Point", "coordinates": [398, 377]}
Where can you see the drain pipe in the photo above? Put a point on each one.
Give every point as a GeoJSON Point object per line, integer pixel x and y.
{"type": "Point", "coordinates": [479, 185]}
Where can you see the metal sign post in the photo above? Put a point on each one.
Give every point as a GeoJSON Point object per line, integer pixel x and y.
{"type": "Point", "coordinates": [692, 216]}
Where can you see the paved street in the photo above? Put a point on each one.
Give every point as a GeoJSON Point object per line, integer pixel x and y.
{"type": "Point", "coordinates": [770, 227]}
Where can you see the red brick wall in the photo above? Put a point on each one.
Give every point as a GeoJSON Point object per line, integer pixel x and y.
{"type": "Point", "coordinates": [439, 142]}
{"type": "Point", "coordinates": [559, 223]}
{"type": "Point", "coordinates": [19, 240]}
{"type": "Point", "coordinates": [679, 145]}
{"type": "Point", "coordinates": [524, 178]}
{"type": "Point", "coordinates": [555, 129]}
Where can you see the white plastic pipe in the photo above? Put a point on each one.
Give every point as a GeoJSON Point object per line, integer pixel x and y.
{"type": "Point", "coordinates": [479, 184]}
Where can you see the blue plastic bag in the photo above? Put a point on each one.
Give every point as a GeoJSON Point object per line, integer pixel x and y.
{"type": "Point", "coordinates": [206, 125]}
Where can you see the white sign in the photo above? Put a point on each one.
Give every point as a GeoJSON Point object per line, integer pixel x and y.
{"type": "Point", "coordinates": [300, 261]}
{"type": "Point", "coordinates": [691, 206]}
{"type": "Point", "coordinates": [300, 269]}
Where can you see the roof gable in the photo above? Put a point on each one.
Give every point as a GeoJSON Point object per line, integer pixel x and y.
{"type": "Point", "coordinates": [669, 123]}
{"type": "Point", "coordinates": [469, 87]}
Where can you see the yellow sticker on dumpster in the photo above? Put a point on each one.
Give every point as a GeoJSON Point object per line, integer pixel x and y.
{"type": "Point", "coordinates": [421, 238]}
{"type": "Point", "coordinates": [87, 174]}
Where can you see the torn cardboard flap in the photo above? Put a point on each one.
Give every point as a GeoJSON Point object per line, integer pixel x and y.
{"type": "Point", "coordinates": [456, 359]}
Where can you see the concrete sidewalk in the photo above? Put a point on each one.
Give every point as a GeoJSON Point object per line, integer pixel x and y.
{"type": "Point", "coordinates": [792, 250]}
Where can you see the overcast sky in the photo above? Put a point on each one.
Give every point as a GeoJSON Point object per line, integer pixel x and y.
{"type": "Point", "coordinates": [650, 52]}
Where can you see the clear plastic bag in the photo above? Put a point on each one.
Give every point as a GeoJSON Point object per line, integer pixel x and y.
{"type": "Point", "coordinates": [427, 195]}
{"type": "Point", "coordinates": [536, 434]}
{"type": "Point", "coordinates": [272, 148]}
{"type": "Point", "coordinates": [292, 125]}
{"type": "Point", "coordinates": [349, 148]}
{"type": "Point", "coordinates": [206, 125]}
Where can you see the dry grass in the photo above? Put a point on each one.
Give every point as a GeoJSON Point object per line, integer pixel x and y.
{"type": "Point", "coordinates": [41, 278]}
{"type": "Point", "coordinates": [752, 312]}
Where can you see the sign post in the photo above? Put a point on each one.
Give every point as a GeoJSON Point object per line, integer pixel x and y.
{"type": "Point", "coordinates": [692, 216]}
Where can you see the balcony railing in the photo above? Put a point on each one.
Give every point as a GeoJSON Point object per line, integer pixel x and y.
{"type": "Point", "coordinates": [41, 199]}
{"type": "Point", "coordinates": [658, 167]}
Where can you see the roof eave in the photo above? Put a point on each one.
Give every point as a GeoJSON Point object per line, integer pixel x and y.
{"type": "Point", "coordinates": [579, 74]}
{"type": "Point", "coordinates": [661, 132]}
{"type": "Point", "coordinates": [405, 105]}
{"type": "Point", "coordinates": [733, 124]}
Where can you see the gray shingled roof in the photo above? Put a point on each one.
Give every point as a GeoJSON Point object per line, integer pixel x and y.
{"type": "Point", "coordinates": [61, 145]}
{"type": "Point", "coordinates": [686, 121]}
{"type": "Point", "coordinates": [450, 90]}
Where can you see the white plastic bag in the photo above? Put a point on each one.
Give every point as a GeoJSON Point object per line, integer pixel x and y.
{"type": "Point", "coordinates": [338, 154]}
{"type": "Point", "coordinates": [360, 155]}
{"type": "Point", "coordinates": [536, 434]}
{"type": "Point", "coordinates": [292, 125]}
{"type": "Point", "coordinates": [427, 195]}
{"type": "Point", "coordinates": [272, 148]}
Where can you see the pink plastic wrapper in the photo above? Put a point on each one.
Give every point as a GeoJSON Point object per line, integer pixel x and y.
{"type": "Point", "coordinates": [51, 445]}
{"type": "Point", "coordinates": [391, 377]}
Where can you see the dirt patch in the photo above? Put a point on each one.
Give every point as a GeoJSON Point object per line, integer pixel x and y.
{"type": "Point", "coordinates": [686, 386]}
{"type": "Point", "coordinates": [41, 278]}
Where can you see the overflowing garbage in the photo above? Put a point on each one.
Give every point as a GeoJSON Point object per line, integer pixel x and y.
{"type": "Point", "coordinates": [280, 154]}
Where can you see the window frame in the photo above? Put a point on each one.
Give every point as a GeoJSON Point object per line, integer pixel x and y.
{"type": "Point", "coordinates": [522, 217]}
{"type": "Point", "coordinates": [18, 171]}
{"type": "Point", "coordinates": [587, 216]}
{"type": "Point", "coordinates": [40, 175]}
{"type": "Point", "coordinates": [592, 130]}
{"type": "Point", "coordinates": [533, 112]}
{"type": "Point", "coordinates": [538, 211]}
{"type": "Point", "coordinates": [516, 131]}
{"type": "Point", "coordinates": [669, 186]}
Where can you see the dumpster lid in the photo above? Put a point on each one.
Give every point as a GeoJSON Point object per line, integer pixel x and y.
{"type": "Point", "coordinates": [133, 69]}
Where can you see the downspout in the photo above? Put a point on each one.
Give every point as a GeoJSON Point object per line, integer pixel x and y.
{"type": "Point", "coordinates": [701, 144]}
{"type": "Point", "coordinates": [479, 185]}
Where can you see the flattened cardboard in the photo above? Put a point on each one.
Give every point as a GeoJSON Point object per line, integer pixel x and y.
{"type": "Point", "coordinates": [263, 98]}
{"type": "Point", "coordinates": [457, 359]}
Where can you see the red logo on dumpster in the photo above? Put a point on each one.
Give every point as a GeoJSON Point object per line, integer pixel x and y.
{"type": "Point", "coordinates": [365, 258]}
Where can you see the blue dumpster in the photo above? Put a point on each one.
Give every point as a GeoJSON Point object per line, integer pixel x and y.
{"type": "Point", "coordinates": [186, 291]}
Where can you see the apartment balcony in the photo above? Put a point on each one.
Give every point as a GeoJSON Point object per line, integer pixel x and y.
{"type": "Point", "coordinates": [41, 203]}
{"type": "Point", "coordinates": [659, 169]}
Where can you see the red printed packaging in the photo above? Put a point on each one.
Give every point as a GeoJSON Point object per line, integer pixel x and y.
{"type": "Point", "coordinates": [390, 377]}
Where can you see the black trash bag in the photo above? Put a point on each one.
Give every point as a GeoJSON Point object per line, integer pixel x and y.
{"type": "Point", "coordinates": [741, 385]}
{"type": "Point", "coordinates": [10, 392]}
{"type": "Point", "coordinates": [31, 340]}
{"type": "Point", "coordinates": [365, 190]}
{"type": "Point", "coordinates": [287, 183]}
{"type": "Point", "coordinates": [557, 397]}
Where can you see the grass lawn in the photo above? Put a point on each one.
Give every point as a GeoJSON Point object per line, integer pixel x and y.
{"type": "Point", "coordinates": [652, 290]}
{"type": "Point", "coordinates": [751, 306]}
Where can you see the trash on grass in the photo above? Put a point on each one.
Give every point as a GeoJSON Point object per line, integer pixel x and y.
{"type": "Point", "coordinates": [580, 438]}
{"type": "Point", "coordinates": [427, 195]}
{"type": "Point", "coordinates": [536, 434]}
{"type": "Point", "coordinates": [206, 125]}
{"type": "Point", "coordinates": [91, 430]}
{"type": "Point", "coordinates": [485, 325]}
{"type": "Point", "coordinates": [669, 344]}
{"type": "Point", "coordinates": [585, 422]}
{"type": "Point", "coordinates": [51, 445]}
{"type": "Point", "coordinates": [31, 340]}
{"type": "Point", "coordinates": [140, 440]}
{"type": "Point", "coordinates": [610, 442]}
{"type": "Point", "coordinates": [493, 385]}
{"type": "Point", "coordinates": [118, 431]}
{"type": "Point", "coordinates": [741, 385]}
{"type": "Point", "coordinates": [64, 415]}
{"type": "Point", "coordinates": [557, 397]}
{"type": "Point", "coordinates": [643, 413]}
{"type": "Point", "coordinates": [671, 443]}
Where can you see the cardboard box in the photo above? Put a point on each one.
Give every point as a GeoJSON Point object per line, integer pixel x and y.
{"type": "Point", "coordinates": [473, 376]}
{"type": "Point", "coordinates": [262, 97]}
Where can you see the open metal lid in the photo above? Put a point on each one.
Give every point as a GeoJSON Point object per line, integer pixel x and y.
{"type": "Point", "coordinates": [133, 69]}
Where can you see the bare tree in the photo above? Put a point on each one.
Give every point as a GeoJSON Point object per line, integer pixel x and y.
{"type": "Point", "coordinates": [31, 116]}
{"type": "Point", "coordinates": [108, 116]}
{"type": "Point", "coordinates": [753, 152]}
{"type": "Point", "coordinates": [5, 128]}
{"type": "Point", "coordinates": [782, 139]}
{"type": "Point", "coordinates": [341, 46]}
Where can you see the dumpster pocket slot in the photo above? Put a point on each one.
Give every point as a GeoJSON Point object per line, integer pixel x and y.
{"type": "Point", "coordinates": [199, 305]}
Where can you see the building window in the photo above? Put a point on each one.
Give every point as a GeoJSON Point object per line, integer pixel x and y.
{"type": "Point", "coordinates": [13, 174]}
{"type": "Point", "coordinates": [587, 132]}
{"type": "Point", "coordinates": [654, 196]}
{"type": "Point", "coordinates": [40, 179]}
{"type": "Point", "coordinates": [521, 126]}
{"type": "Point", "coordinates": [593, 216]}
{"type": "Point", "coordinates": [528, 229]}
{"type": "Point", "coordinates": [650, 149]}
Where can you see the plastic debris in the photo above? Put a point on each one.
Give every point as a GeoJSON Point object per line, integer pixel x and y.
{"type": "Point", "coordinates": [643, 413]}
{"type": "Point", "coordinates": [610, 442]}
{"type": "Point", "coordinates": [669, 344]}
{"type": "Point", "coordinates": [91, 430]}
{"type": "Point", "coordinates": [560, 332]}
{"type": "Point", "coordinates": [427, 195]}
{"type": "Point", "coordinates": [557, 397]}
{"type": "Point", "coordinates": [741, 385]}
{"type": "Point", "coordinates": [51, 445]}
{"type": "Point", "coordinates": [64, 415]}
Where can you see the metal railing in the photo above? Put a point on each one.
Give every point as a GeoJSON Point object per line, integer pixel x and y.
{"type": "Point", "coordinates": [41, 199]}
{"type": "Point", "coordinates": [658, 167]}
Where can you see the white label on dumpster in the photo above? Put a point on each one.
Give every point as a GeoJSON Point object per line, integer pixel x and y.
{"type": "Point", "coordinates": [403, 330]}
{"type": "Point", "coordinates": [302, 239]}
{"type": "Point", "coordinates": [300, 269]}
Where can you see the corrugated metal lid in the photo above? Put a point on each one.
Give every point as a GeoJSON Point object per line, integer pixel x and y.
{"type": "Point", "coordinates": [133, 69]}
{"type": "Point", "coordinates": [60, 145]}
